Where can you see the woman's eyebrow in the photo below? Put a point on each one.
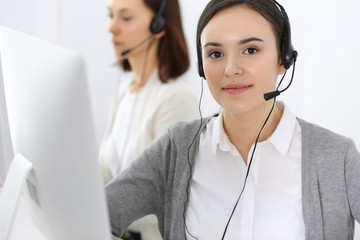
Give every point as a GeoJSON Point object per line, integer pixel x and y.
{"type": "Point", "coordinates": [214, 44]}
{"type": "Point", "coordinates": [241, 42]}
{"type": "Point", "coordinates": [119, 10]}
{"type": "Point", "coordinates": [247, 40]}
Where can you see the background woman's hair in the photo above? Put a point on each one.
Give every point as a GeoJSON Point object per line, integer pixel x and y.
{"type": "Point", "coordinates": [267, 8]}
{"type": "Point", "coordinates": [172, 53]}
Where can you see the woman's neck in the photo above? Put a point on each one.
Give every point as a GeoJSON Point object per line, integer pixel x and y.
{"type": "Point", "coordinates": [143, 65]}
{"type": "Point", "coordinates": [243, 129]}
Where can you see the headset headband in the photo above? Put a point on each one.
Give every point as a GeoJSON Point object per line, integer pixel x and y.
{"type": "Point", "coordinates": [288, 54]}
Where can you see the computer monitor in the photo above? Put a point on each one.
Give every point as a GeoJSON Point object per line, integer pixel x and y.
{"type": "Point", "coordinates": [50, 123]}
{"type": "Point", "coordinates": [6, 149]}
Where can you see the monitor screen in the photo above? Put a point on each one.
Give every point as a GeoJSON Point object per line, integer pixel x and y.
{"type": "Point", "coordinates": [50, 123]}
{"type": "Point", "coordinates": [6, 149]}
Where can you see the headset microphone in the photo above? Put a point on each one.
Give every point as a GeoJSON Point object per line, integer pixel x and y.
{"type": "Point", "coordinates": [270, 95]}
{"type": "Point", "coordinates": [136, 46]}
{"type": "Point", "coordinates": [125, 52]}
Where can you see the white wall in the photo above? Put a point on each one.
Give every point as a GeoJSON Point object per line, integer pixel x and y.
{"type": "Point", "coordinates": [328, 71]}
{"type": "Point", "coordinates": [326, 34]}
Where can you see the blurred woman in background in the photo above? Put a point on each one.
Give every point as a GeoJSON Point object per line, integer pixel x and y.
{"type": "Point", "coordinates": [149, 41]}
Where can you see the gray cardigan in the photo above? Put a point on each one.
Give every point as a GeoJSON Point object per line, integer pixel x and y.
{"type": "Point", "coordinates": [157, 183]}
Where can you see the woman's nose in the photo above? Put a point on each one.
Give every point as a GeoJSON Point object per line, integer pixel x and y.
{"type": "Point", "coordinates": [233, 67]}
{"type": "Point", "coordinates": [114, 27]}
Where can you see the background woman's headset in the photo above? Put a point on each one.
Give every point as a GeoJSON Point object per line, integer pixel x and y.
{"type": "Point", "coordinates": [158, 23]}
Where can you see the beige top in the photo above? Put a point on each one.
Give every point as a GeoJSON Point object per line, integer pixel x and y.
{"type": "Point", "coordinates": [161, 105]}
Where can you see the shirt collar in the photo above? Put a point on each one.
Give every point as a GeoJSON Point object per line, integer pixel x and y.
{"type": "Point", "coordinates": [220, 140]}
{"type": "Point", "coordinates": [284, 132]}
{"type": "Point", "coordinates": [280, 139]}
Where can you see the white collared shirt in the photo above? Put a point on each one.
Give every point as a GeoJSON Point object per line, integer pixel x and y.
{"type": "Point", "coordinates": [270, 207]}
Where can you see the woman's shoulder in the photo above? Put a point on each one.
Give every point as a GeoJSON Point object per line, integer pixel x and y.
{"type": "Point", "coordinates": [175, 90]}
{"type": "Point", "coordinates": [181, 83]}
{"type": "Point", "coordinates": [318, 137]}
{"type": "Point", "coordinates": [123, 86]}
{"type": "Point", "coordinates": [185, 127]}
{"type": "Point", "coordinates": [182, 129]}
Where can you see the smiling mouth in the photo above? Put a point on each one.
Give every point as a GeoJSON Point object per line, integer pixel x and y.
{"type": "Point", "coordinates": [229, 88]}
{"type": "Point", "coordinates": [236, 87]}
{"type": "Point", "coordinates": [234, 90]}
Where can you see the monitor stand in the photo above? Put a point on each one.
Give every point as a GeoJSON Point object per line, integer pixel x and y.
{"type": "Point", "coordinates": [10, 193]}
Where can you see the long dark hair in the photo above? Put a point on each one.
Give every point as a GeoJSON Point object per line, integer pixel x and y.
{"type": "Point", "coordinates": [172, 53]}
{"type": "Point", "coordinates": [267, 8]}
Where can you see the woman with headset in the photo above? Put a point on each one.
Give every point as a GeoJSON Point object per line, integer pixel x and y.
{"type": "Point", "coordinates": [255, 170]}
{"type": "Point", "coordinates": [148, 39]}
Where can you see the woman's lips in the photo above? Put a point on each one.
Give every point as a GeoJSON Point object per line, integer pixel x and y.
{"type": "Point", "coordinates": [235, 89]}
{"type": "Point", "coordinates": [116, 43]}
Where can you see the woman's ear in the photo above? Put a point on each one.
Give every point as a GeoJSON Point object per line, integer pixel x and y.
{"type": "Point", "coordinates": [282, 69]}
{"type": "Point", "coordinates": [160, 34]}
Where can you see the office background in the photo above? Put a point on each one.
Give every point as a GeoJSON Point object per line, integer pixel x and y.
{"type": "Point", "coordinates": [326, 33]}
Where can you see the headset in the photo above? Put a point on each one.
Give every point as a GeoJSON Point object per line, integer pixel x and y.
{"type": "Point", "coordinates": [288, 54]}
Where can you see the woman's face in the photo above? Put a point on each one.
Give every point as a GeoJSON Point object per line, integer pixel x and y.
{"type": "Point", "coordinates": [240, 58]}
{"type": "Point", "coordinates": [129, 25]}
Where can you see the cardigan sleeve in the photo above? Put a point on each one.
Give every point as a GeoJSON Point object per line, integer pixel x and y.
{"type": "Point", "coordinates": [138, 191]}
{"type": "Point", "coordinates": [352, 178]}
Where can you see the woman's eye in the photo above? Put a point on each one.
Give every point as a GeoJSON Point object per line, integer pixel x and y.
{"type": "Point", "coordinates": [215, 54]}
{"type": "Point", "coordinates": [126, 18]}
{"type": "Point", "coordinates": [251, 51]}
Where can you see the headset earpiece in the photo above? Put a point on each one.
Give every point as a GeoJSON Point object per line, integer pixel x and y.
{"type": "Point", "coordinates": [201, 70]}
{"type": "Point", "coordinates": [288, 54]}
{"type": "Point", "coordinates": [158, 23]}
{"type": "Point", "coordinates": [200, 66]}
